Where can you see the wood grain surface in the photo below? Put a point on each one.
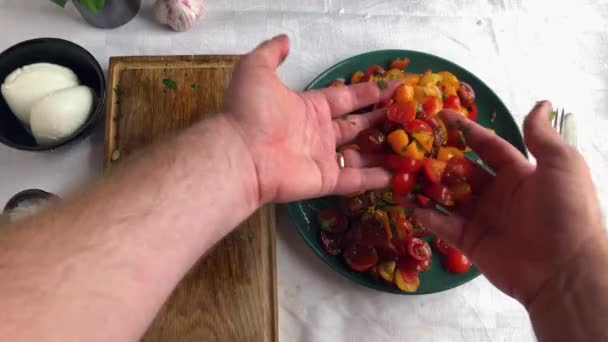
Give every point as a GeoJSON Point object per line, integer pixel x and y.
{"type": "Point", "coordinates": [230, 294]}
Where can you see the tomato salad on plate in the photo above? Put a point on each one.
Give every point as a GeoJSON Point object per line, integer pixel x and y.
{"type": "Point", "coordinates": [374, 231]}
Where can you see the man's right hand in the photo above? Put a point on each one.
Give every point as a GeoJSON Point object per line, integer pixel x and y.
{"type": "Point", "coordinates": [535, 227]}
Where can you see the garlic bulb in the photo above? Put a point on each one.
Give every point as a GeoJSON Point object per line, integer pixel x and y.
{"type": "Point", "coordinates": [179, 14]}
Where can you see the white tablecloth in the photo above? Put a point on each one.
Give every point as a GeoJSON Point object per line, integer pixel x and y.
{"type": "Point", "coordinates": [525, 50]}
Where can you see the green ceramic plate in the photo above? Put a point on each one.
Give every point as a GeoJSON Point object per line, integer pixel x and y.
{"type": "Point", "coordinates": [303, 213]}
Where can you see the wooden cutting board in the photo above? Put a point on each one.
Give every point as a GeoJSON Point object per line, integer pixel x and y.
{"type": "Point", "coordinates": [230, 294]}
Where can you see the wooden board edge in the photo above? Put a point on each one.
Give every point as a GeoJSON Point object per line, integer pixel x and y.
{"type": "Point", "coordinates": [274, 301]}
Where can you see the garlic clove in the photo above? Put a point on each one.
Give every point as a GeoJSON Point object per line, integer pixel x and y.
{"type": "Point", "coordinates": [179, 14]}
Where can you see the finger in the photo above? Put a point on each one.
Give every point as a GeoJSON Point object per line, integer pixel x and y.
{"type": "Point", "coordinates": [448, 228]}
{"type": "Point", "coordinates": [344, 100]}
{"type": "Point", "coordinates": [354, 159]}
{"type": "Point", "coordinates": [494, 150]}
{"type": "Point", "coordinates": [347, 127]}
{"type": "Point", "coordinates": [353, 180]}
{"type": "Point", "coordinates": [270, 53]}
{"type": "Point", "coordinates": [541, 138]}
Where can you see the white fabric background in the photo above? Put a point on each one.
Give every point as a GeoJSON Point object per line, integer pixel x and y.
{"type": "Point", "coordinates": [525, 51]}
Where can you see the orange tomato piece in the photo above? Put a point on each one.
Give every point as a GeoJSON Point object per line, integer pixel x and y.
{"type": "Point", "coordinates": [446, 153]}
{"type": "Point", "coordinates": [398, 140]}
{"type": "Point", "coordinates": [414, 151]}
{"type": "Point", "coordinates": [405, 93]}
{"type": "Point", "coordinates": [400, 63]}
{"type": "Point", "coordinates": [356, 77]}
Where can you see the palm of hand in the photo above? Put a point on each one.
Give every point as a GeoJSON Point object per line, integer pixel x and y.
{"type": "Point", "coordinates": [292, 137]}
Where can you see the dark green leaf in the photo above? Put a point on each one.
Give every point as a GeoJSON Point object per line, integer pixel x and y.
{"type": "Point", "coordinates": [60, 2]}
{"type": "Point", "coordinates": [169, 83]}
{"type": "Point", "coordinates": [94, 6]}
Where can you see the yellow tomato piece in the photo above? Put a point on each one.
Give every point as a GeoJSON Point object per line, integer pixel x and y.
{"type": "Point", "coordinates": [447, 78]}
{"type": "Point", "coordinates": [430, 78]}
{"type": "Point", "coordinates": [411, 78]}
{"type": "Point", "coordinates": [425, 139]}
{"type": "Point", "coordinates": [373, 78]}
{"type": "Point", "coordinates": [449, 90]}
{"type": "Point", "coordinates": [414, 151]}
{"type": "Point", "coordinates": [405, 93]}
{"type": "Point", "coordinates": [393, 74]}
{"type": "Point", "coordinates": [386, 270]}
{"type": "Point", "coordinates": [448, 152]}
{"type": "Point", "coordinates": [398, 140]}
{"type": "Point", "coordinates": [421, 93]}
{"type": "Point", "coordinates": [396, 211]}
{"type": "Point", "coordinates": [443, 128]}
{"type": "Point", "coordinates": [356, 77]}
{"type": "Point", "coordinates": [409, 284]}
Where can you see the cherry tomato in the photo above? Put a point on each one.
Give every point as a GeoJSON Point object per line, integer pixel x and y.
{"type": "Point", "coordinates": [401, 113]}
{"type": "Point", "coordinates": [456, 262]}
{"type": "Point", "coordinates": [402, 183]}
{"type": "Point", "coordinates": [330, 243]}
{"type": "Point", "coordinates": [400, 63]}
{"type": "Point", "coordinates": [452, 102]}
{"type": "Point", "coordinates": [356, 77]}
{"type": "Point", "coordinates": [408, 264]}
{"type": "Point", "coordinates": [441, 246]}
{"type": "Point", "coordinates": [418, 249]}
{"type": "Point", "coordinates": [374, 70]}
{"type": "Point", "coordinates": [466, 94]}
{"type": "Point", "coordinates": [373, 232]}
{"type": "Point", "coordinates": [462, 193]}
{"type": "Point", "coordinates": [473, 112]}
{"type": "Point", "coordinates": [456, 138]}
{"type": "Point", "coordinates": [440, 193]}
{"type": "Point", "coordinates": [353, 206]}
{"type": "Point", "coordinates": [360, 257]}
{"type": "Point", "coordinates": [457, 170]}
{"type": "Point", "coordinates": [434, 169]}
{"type": "Point", "coordinates": [332, 220]}
{"type": "Point", "coordinates": [398, 163]}
{"type": "Point", "coordinates": [416, 125]}
{"type": "Point", "coordinates": [431, 105]}
{"type": "Point", "coordinates": [337, 84]}
{"type": "Point", "coordinates": [371, 140]}
{"type": "Point", "coordinates": [424, 201]}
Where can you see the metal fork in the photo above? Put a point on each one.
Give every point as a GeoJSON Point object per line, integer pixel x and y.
{"type": "Point", "coordinates": [565, 125]}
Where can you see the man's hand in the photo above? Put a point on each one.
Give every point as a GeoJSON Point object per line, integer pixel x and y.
{"type": "Point", "coordinates": [536, 232]}
{"type": "Point", "coordinates": [292, 137]}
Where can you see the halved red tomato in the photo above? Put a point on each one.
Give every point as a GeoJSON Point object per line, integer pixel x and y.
{"type": "Point", "coordinates": [419, 229]}
{"type": "Point", "coordinates": [401, 113]}
{"type": "Point", "coordinates": [457, 170]}
{"type": "Point", "coordinates": [434, 169]}
{"type": "Point", "coordinates": [398, 163]}
{"type": "Point", "coordinates": [466, 94]}
{"type": "Point", "coordinates": [456, 262]}
{"type": "Point", "coordinates": [330, 243]}
{"type": "Point", "coordinates": [410, 265]}
{"type": "Point", "coordinates": [373, 232]}
{"type": "Point", "coordinates": [452, 102]}
{"type": "Point", "coordinates": [400, 63]}
{"type": "Point", "coordinates": [332, 220]}
{"type": "Point", "coordinates": [416, 125]}
{"type": "Point", "coordinates": [440, 193]}
{"type": "Point", "coordinates": [441, 246]}
{"type": "Point", "coordinates": [387, 251]}
{"type": "Point", "coordinates": [431, 105]}
{"type": "Point", "coordinates": [374, 70]}
{"type": "Point", "coordinates": [473, 112]}
{"type": "Point", "coordinates": [403, 227]}
{"type": "Point", "coordinates": [360, 257]}
{"type": "Point", "coordinates": [403, 183]}
{"type": "Point", "coordinates": [418, 249]}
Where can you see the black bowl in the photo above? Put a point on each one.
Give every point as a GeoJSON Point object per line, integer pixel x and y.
{"type": "Point", "coordinates": [57, 51]}
{"type": "Point", "coordinates": [27, 195]}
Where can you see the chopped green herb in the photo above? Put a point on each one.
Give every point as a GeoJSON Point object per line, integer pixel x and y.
{"type": "Point", "coordinates": [419, 147]}
{"type": "Point", "coordinates": [417, 187]}
{"type": "Point", "coordinates": [404, 148]}
{"type": "Point", "coordinates": [169, 83]}
{"type": "Point", "coordinates": [344, 117]}
{"type": "Point", "coordinates": [117, 90]}
{"type": "Point", "coordinates": [194, 85]}
{"type": "Point", "coordinates": [461, 140]}
{"type": "Point", "coordinates": [418, 108]}
{"type": "Point", "coordinates": [371, 212]}
{"type": "Point", "coordinates": [382, 84]}
{"type": "Point", "coordinates": [409, 211]}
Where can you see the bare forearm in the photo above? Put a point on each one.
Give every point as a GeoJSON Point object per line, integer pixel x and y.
{"type": "Point", "coordinates": [100, 267]}
{"type": "Point", "coordinates": [574, 307]}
